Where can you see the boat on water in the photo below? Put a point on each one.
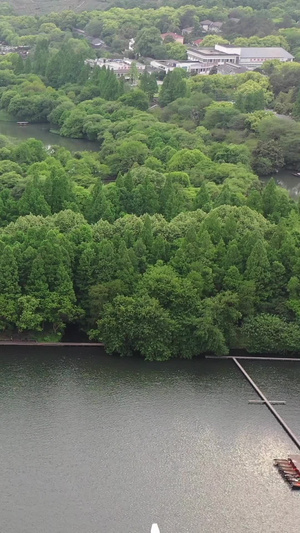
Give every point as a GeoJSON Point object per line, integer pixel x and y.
{"type": "Point", "coordinates": [22, 123]}
{"type": "Point", "coordinates": [290, 470]}
{"type": "Point", "coordinates": [296, 174]}
{"type": "Point", "coordinates": [155, 528]}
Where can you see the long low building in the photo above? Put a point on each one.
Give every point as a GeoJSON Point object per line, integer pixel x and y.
{"type": "Point", "coordinates": [121, 67]}
{"type": "Point", "coordinates": [211, 55]}
{"type": "Point", "coordinates": [254, 56]}
{"type": "Point", "coordinates": [248, 57]}
{"type": "Point", "coordinates": [192, 67]}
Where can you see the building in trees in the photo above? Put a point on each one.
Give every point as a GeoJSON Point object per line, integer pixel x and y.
{"type": "Point", "coordinates": [192, 67]}
{"type": "Point", "coordinates": [170, 36]}
{"type": "Point", "coordinates": [249, 57]}
{"type": "Point", "coordinates": [211, 27]}
{"type": "Point", "coordinates": [121, 67]}
{"type": "Point", "coordinates": [212, 55]}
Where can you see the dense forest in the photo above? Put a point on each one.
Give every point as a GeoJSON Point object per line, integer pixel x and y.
{"type": "Point", "coordinates": [246, 23]}
{"type": "Point", "coordinates": [165, 242]}
{"type": "Point", "coordinates": [269, 8]}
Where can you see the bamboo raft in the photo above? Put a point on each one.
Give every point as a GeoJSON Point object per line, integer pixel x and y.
{"type": "Point", "coordinates": [290, 470]}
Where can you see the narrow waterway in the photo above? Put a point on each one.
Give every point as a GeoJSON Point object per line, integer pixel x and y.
{"type": "Point", "coordinates": [284, 178]}
{"type": "Point", "coordinates": [41, 132]}
{"type": "Point", "coordinates": [92, 443]}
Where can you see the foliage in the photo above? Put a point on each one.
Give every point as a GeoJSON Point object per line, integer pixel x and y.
{"type": "Point", "coordinates": [173, 87]}
{"type": "Point", "coordinates": [163, 243]}
{"type": "Point", "coordinates": [270, 334]}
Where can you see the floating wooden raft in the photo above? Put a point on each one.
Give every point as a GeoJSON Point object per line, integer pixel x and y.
{"type": "Point", "coordinates": [290, 470]}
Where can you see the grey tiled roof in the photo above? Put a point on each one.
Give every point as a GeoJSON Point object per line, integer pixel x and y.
{"type": "Point", "coordinates": [265, 52]}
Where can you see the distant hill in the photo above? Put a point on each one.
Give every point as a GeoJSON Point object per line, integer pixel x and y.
{"type": "Point", "coordinates": [40, 7]}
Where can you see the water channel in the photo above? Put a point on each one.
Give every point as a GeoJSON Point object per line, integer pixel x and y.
{"type": "Point", "coordinates": [96, 444]}
{"type": "Point", "coordinates": [284, 178]}
{"type": "Point", "coordinates": [41, 132]}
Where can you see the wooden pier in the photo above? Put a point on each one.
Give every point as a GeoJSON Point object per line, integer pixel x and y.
{"type": "Point", "coordinates": [253, 358]}
{"type": "Point", "coordinates": [57, 344]}
{"type": "Point", "coordinates": [268, 404]}
{"type": "Point", "coordinates": [273, 402]}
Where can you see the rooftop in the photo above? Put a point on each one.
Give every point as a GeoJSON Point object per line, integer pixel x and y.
{"type": "Point", "coordinates": [171, 34]}
{"type": "Point", "coordinates": [174, 62]}
{"type": "Point", "coordinates": [257, 51]}
{"type": "Point", "coordinates": [267, 51]}
{"type": "Point", "coordinates": [210, 51]}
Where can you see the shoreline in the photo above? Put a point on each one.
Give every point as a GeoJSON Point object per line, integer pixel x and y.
{"type": "Point", "coordinates": [33, 343]}
{"type": "Point", "coordinates": [240, 355]}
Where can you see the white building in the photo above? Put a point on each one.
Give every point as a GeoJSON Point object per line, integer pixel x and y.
{"type": "Point", "coordinates": [210, 55]}
{"type": "Point", "coordinates": [253, 57]}
{"type": "Point", "coordinates": [248, 57]}
{"type": "Point", "coordinates": [192, 67]}
{"type": "Point", "coordinates": [121, 67]}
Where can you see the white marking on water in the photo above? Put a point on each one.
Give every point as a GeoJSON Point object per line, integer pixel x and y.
{"type": "Point", "coordinates": [155, 528]}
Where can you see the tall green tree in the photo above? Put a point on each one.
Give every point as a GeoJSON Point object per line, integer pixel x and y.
{"type": "Point", "coordinates": [174, 86]}
{"type": "Point", "coordinates": [33, 200]}
{"type": "Point", "coordinates": [9, 288]}
{"type": "Point", "coordinates": [58, 189]}
{"type": "Point", "coordinates": [41, 57]}
{"type": "Point", "coordinates": [148, 84]}
{"type": "Point", "coordinates": [131, 325]}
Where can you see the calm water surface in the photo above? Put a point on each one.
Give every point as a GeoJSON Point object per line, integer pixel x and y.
{"type": "Point", "coordinates": [284, 178]}
{"type": "Point", "coordinates": [42, 133]}
{"type": "Point", "coordinates": [95, 444]}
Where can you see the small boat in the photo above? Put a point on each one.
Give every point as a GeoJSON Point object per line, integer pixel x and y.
{"type": "Point", "coordinates": [22, 123]}
{"type": "Point", "coordinates": [155, 528]}
{"type": "Point", "coordinates": [297, 174]}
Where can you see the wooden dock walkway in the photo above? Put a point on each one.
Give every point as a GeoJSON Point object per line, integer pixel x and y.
{"type": "Point", "coordinates": [268, 404]}
{"type": "Point", "coordinates": [57, 344]}
{"type": "Point", "coordinates": [252, 358]}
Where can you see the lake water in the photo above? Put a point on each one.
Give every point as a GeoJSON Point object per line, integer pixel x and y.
{"type": "Point", "coordinates": [285, 179]}
{"type": "Point", "coordinates": [41, 132]}
{"type": "Point", "coordinates": [97, 444]}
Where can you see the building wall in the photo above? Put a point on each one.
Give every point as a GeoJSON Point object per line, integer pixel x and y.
{"type": "Point", "coordinates": [253, 63]}
{"type": "Point", "coordinates": [179, 40]}
{"type": "Point", "coordinates": [249, 62]}
{"type": "Point", "coordinates": [210, 59]}
{"type": "Point", "coordinates": [190, 68]}
{"type": "Point", "coordinates": [228, 50]}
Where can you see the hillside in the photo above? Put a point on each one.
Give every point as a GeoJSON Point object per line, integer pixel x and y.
{"type": "Point", "coordinates": [39, 7]}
